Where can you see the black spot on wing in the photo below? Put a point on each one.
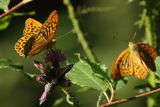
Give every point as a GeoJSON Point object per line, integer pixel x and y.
{"type": "Point", "coordinates": [28, 46]}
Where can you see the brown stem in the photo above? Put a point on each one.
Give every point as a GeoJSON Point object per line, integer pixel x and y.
{"type": "Point", "coordinates": [23, 2]}
{"type": "Point", "coordinates": [131, 98]}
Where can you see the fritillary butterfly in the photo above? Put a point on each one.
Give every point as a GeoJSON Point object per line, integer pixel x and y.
{"type": "Point", "coordinates": [36, 36]}
{"type": "Point", "coordinates": [136, 60]}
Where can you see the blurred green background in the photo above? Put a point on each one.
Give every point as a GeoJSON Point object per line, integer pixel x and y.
{"type": "Point", "coordinates": [108, 33]}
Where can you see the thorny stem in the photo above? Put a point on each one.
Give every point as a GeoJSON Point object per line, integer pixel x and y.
{"type": "Point", "coordinates": [131, 98]}
{"type": "Point", "coordinates": [20, 4]}
{"type": "Point", "coordinates": [79, 32]}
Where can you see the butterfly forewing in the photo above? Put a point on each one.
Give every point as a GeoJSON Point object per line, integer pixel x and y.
{"type": "Point", "coordinates": [149, 49]}
{"type": "Point", "coordinates": [49, 28]}
{"type": "Point", "coordinates": [31, 27]}
{"type": "Point", "coordinates": [148, 54]}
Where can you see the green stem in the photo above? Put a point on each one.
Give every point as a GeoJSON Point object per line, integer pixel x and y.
{"type": "Point", "coordinates": [148, 30]}
{"type": "Point", "coordinates": [70, 98]}
{"type": "Point", "coordinates": [79, 32]}
{"type": "Point", "coordinates": [99, 99]}
{"type": "Point", "coordinates": [108, 99]}
{"type": "Point", "coordinates": [149, 37]}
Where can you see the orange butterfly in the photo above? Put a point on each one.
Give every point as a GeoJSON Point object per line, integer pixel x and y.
{"type": "Point", "coordinates": [136, 60]}
{"type": "Point", "coordinates": [36, 36]}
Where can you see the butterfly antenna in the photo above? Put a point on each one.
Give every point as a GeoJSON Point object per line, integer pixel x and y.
{"type": "Point", "coordinates": [134, 36]}
{"type": "Point", "coordinates": [62, 36]}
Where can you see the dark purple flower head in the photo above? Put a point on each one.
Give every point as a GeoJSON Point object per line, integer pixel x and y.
{"type": "Point", "coordinates": [55, 56]}
{"type": "Point", "coordinates": [52, 74]}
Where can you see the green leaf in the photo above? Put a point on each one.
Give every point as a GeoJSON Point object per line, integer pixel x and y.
{"type": "Point", "coordinates": [144, 87]}
{"type": "Point", "coordinates": [29, 75]}
{"type": "Point", "coordinates": [120, 84]}
{"type": "Point", "coordinates": [157, 62]}
{"type": "Point", "coordinates": [98, 69]}
{"type": "Point", "coordinates": [6, 63]}
{"type": "Point", "coordinates": [4, 4]}
{"type": "Point", "coordinates": [4, 22]}
{"type": "Point", "coordinates": [83, 74]}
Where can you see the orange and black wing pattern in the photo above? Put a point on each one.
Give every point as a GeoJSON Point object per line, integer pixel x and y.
{"type": "Point", "coordinates": [136, 60]}
{"type": "Point", "coordinates": [148, 54]}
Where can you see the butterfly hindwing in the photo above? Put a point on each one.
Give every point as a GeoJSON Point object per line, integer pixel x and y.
{"type": "Point", "coordinates": [20, 45]}
{"type": "Point", "coordinates": [28, 46]}
{"type": "Point", "coordinates": [118, 68]}
{"type": "Point", "coordinates": [38, 45]}
{"type": "Point", "coordinates": [138, 66]}
{"type": "Point", "coordinates": [32, 27]}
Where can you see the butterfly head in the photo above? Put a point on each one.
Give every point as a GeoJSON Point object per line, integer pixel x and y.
{"type": "Point", "coordinates": [133, 47]}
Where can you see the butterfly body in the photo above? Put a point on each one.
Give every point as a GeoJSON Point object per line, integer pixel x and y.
{"type": "Point", "coordinates": [136, 60]}
{"type": "Point", "coordinates": [36, 36]}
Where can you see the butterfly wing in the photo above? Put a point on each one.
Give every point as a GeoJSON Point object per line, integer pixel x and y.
{"type": "Point", "coordinates": [46, 34]}
{"type": "Point", "coordinates": [49, 28]}
{"type": "Point", "coordinates": [129, 63]}
{"type": "Point", "coordinates": [20, 44]}
{"type": "Point", "coordinates": [147, 54]}
{"type": "Point", "coordinates": [138, 66]}
{"type": "Point", "coordinates": [30, 46]}
{"type": "Point", "coordinates": [37, 36]}
{"type": "Point", "coordinates": [36, 44]}
{"type": "Point", "coordinates": [32, 27]}
{"type": "Point", "coordinates": [120, 67]}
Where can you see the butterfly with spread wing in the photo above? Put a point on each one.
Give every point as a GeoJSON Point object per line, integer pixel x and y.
{"type": "Point", "coordinates": [36, 36]}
